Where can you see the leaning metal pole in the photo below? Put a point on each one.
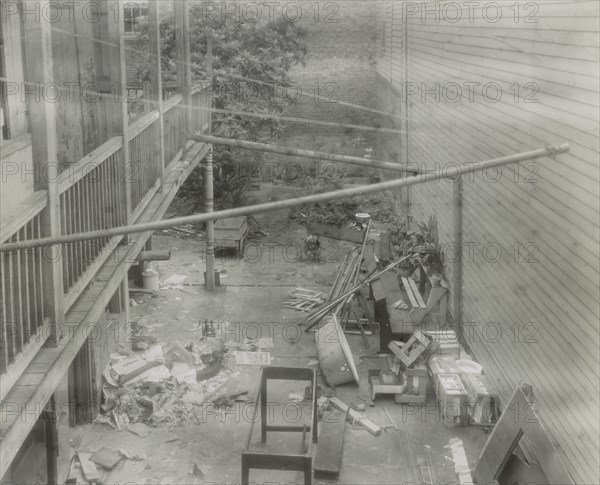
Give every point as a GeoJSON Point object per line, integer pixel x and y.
{"type": "Point", "coordinates": [303, 153]}
{"type": "Point", "coordinates": [449, 174]}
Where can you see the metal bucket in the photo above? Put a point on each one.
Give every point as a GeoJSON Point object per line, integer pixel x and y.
{"type": "Point", "coordinates": [150, 280]}
{"type": "Point", "coordinates": [334, 354]}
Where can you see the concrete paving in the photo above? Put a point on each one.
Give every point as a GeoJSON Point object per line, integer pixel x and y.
{"type": "Point", "coordinates": [251, 302]}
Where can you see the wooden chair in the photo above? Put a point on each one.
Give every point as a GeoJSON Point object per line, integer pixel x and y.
{"type": "Point", "coordinates": [253, 457]}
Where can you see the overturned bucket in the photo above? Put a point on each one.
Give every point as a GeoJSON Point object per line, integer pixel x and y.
{"type": "Point", "coordinates": [334, 354]}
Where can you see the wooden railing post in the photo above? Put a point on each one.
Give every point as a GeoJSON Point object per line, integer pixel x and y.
{"type": "Point", "coordinates": [156, 82]}
{"type": "Point", "coordinates": [113, 49]}
{"type": "Point", "coordinates": [209, 187]}
{"type": "Point", "coordinates": [42, 116]}
{"type": "Point", "coordinates": [183, 62]}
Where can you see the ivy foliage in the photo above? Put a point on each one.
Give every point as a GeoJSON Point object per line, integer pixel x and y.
{"type": "Point", "coordinates": [251, 73]}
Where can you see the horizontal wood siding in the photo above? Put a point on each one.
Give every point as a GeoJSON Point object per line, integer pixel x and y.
{"type": "Point", "coordinates": [531, 280]}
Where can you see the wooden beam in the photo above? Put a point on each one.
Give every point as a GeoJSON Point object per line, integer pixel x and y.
{"type": "Point", "coordinates": [183, 60]}
{"type": "Point", "coordinates": [156, 82]}
{"type": "Point", "coordinates": [11, 62]}
{"type": "Point", "coordinates": [38, 52]}
{"type": "Point", "coordinates": [115, 73]}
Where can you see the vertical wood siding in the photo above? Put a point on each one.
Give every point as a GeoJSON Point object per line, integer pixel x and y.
{"type": "Point", "coordinates": [531, 276]}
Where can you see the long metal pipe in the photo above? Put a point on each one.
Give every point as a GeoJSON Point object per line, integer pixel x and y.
{"type": "Point", "coordinates": [299, 152]}
{"type": "Point", "coordinates": [449, 174]}
{"type": "Point", "coordinates": [457, 271]}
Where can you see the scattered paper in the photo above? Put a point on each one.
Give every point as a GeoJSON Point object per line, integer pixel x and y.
{"type": "Point", "coordinates": [140, 429]}
{"type": "Point", "coordinates": [461, 465]}
{"type": "Point", "coordinates": [253, 358]}
{"type": "Point", "coordinates": [173, 282]}
{"type": "Point", "coordinates": [183, 372]}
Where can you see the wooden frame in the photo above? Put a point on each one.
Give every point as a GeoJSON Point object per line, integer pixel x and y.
{"type": "Point", "coordinates": [253, 458]}
{"type": "Point", "coordinates": [520, 421]}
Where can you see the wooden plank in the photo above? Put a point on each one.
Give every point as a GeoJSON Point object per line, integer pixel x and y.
{"type": "Point", "coordinates": [409, 292]}
{"type": "Point", "coordinates": [335, 232]}
{"type": "Point", "coordinates": [16, 369]}
{"type": "Point", "coordinates": [90, 472]}
{"type": "Point", "coordinates": [328, 458]}
{"type": "Point", "coordinates": [12, 63]}
{"type": "Point", "coordinates": [416, 293]}
{"type": "Point", "coordinates": [519, 420]}
{"type": "Point", "coordinates": [355, 416]}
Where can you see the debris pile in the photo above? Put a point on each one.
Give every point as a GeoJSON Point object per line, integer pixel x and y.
{"type": "Point", "coordinates": [161, 385]}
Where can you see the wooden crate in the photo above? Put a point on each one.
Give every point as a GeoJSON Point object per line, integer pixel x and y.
{"type": "Point", "coordinates": [230, 233]}
{"type": "Point", "coordinates": [482, 400]}
{"type": "Point", "coordinates": [415, 391]}
{"type": "Point", "coordinates": [453, 399]}
{"type": "Point", "coordinates": [443, 364]}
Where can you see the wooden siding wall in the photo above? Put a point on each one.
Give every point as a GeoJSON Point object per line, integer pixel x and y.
{"type": "Point", "coordinates": [531, 280]}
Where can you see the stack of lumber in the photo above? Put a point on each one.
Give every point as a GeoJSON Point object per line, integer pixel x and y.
{"type": "Point", "coordinates": [304, 300]}
{"type": "Point", "coordinates": [346, 277]}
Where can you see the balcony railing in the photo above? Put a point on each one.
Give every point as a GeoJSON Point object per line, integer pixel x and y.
{"type": "Point", "coordinates": [174, 122]}
{"type": "Point", "coordinates": [90, 200]}
{"type": "Point", "coordinates": [22, 292]}
{"type": "Point", "coordinates": [92, 197]}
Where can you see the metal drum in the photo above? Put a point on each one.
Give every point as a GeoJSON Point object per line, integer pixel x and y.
{"type": "Point", "coordinates": [334, 354]}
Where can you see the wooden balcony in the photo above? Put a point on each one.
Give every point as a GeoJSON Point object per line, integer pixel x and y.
{"type": "Point", "coordinates": [90, 199]}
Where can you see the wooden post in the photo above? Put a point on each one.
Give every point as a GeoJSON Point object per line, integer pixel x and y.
{"type": "Point", "coordinates": [10, 36]}
{"type": "Point", "coordinates": [209, 188]}
{"type": "Point", "coordinates": [210, 226]}
{"type": "Point", "coordinates": [183, 62]}
{"type": "Point", "coordinates": [42, 115]}
{"type": "Point", "coordinates": [406, 127]}
{"type": "Point", "coordinates": [457, 272]}
{"type": "Point", "coordinates": [113, 47]}
{"type": "Point", "coordinates": [156, 82]}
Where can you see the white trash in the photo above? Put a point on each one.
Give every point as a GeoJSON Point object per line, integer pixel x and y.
{"type": "Point", "coordinates": [470, 367]}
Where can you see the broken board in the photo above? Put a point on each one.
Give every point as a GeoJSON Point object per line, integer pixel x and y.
{"type": "Point", "coordinates": [328, 459]}
{"type": "Point", "coordinates": [106, 458]}
{"type": "Point", "coordinates": [88, 468]}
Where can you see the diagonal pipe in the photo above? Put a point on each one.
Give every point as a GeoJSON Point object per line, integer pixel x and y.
{"type": "Point", "coordinates": [449, 174]}
{"type": "Point", "coordinates": [299, 152]}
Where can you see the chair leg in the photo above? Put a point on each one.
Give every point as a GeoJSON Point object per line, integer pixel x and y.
{"type": "Point", "coordinates": [308, 471]}
{"type": "Point", "coordinates": [245, 471]}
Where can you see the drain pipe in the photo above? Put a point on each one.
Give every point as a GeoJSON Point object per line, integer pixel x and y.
{"type": "Point", "coordinates": [457, 272]}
